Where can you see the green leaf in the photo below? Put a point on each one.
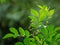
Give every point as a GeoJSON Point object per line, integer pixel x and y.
{"type": "Point", "coordinates": [50, 28]}
{"type": "Point", "coordinates": [44, 31]}
{"type": "Point", "coordinates": [32, 40]}
{"type": "Point", "coordinates": [57, 28]}
{"type": "Point", "coordinates": [58, 40]}
{"type": "Point", "coordinates": [54, 43]}
{"type": "Point", "coordinates": [27, 41]}
{"type": "Point", "coordinates": [27, 34]}
{"type": "Point", "coordinates": [51, 12]}
{"type": "Point", "coordinates": [31, 43]}
{"type": "Point", "coordinates": [57, 37]}
{"type": "Point", "coordinates": [37, 38]}
{"type": "Point", "coordinates": [45, 43]}
{"type": "Point", "coordinates": [43, 13]}
{"type": "Point", "coordinates": [14, 31]}
{"type": "Point", "coordinates": [40, 36]}
{"type": "Point", "coordinates": [19, 43]}
{"type": "Point", "coordinates": [34, 20]}
{"type": "Point", "coordinates": [34, 12]}
{"type": "Point", "coordinates": [40, 6]}
{"type": "Point", "coordinates": [8, 36]}
{"type": "Point", "coordinates": [51, 32]}
{"type": "Point", "coordinates": [22, 32]}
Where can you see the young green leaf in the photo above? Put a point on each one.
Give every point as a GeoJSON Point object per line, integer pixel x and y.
{"type": "Point", "coordinates": [43, 13]}
{"type": "Point", "coordinates": [54, 43]}
{"type": "Point", "coordinates": [45, 43]}
{"type": "Point", "coordinates": [27, 34]}
{"type": "Point", "coordinates": [19, 43]}
{"type": "Point", "coordinates": [40, 36]}
{"type": "Point", "coordinates": [32, 40]}
{"type": "Point", "coordinates": [14, 31]}
{"type": "Point", "coordinates": [33, 18]}
{"type": "Point", "coordinates": [31, 43]}
{"type": "Point", "coordinates": [37, 38]}
{"type": "Point", "coordinates": [57, 28]}
{"type": "Point", "coordinates": [34, 21]}
{"type": "Point", "coordinates": [22, 32]}
{"type": "Point", "coordinates": [8, 36]}
{"type": "Point", "coordinates": [51, 12]}
{"type": "Point", "coordinates": [44, 31]}
{"type": "Point", "coordinates": [58, 40]}
{"type": "Point", "coordinates": [57, 36]}
{"type": "Point", "coordinates": [40, 6]}
{"type": "Point", "coordinates": [50, 28]}
{"type": "Point", "coordinates": [27, 41]}
{"type": "Point", "coordinates": [34, 12]}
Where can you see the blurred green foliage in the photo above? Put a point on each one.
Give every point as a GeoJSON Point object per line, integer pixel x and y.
{"type": "Point", "coordinates": [9, 9]}
{"type": "Point", "coordinates": [42, 35]}
{"type": "Point", "coordinates": [15, 13]}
